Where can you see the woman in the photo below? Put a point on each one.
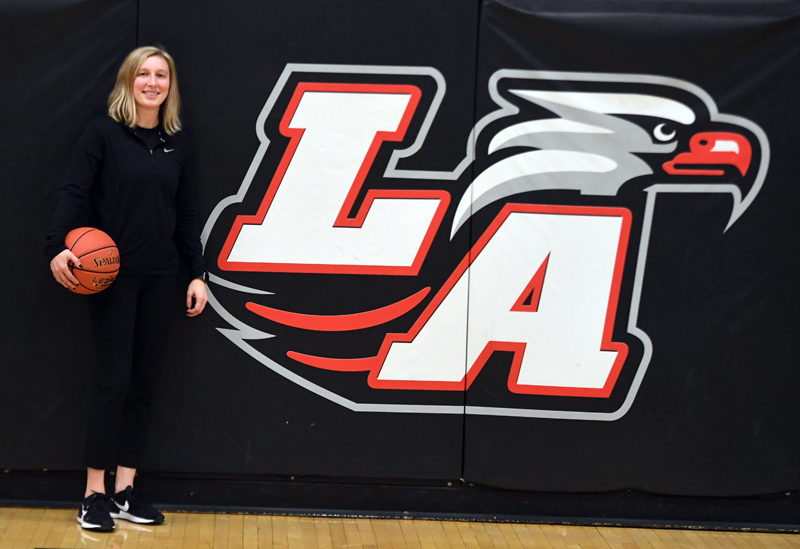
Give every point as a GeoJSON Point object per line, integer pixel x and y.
{"type": "Point", "coordinates": [130, 165]}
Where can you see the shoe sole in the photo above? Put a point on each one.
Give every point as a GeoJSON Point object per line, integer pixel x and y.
{"type": "Point", "coordinates": [95, 527]}
{"type": "Point", "coordinates": [133, 518]}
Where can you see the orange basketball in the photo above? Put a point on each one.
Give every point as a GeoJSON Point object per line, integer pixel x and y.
{"type": "Point", "coordinates": [99, 257]}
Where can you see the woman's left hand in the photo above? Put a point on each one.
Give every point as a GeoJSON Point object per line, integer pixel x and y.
{"type": "Point", "coordinates": [196, 297]}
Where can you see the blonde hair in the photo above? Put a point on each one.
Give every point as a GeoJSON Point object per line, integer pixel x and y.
{"type": "Point", "coordinates": [121, 104]}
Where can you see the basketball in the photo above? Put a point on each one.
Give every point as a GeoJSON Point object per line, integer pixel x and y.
{"type": "Point", "coordinates": [99, 257]}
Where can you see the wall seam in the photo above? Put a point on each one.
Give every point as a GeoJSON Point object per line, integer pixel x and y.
{"type": "Point", "coordinates": [470, 241]}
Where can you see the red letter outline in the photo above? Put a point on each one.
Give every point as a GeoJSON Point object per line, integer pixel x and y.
{"type": "Point", "coordinates": [374, 364]}
{"type": "Point", "coordinates": [342, 219]}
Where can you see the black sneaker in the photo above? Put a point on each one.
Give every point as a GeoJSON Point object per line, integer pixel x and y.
{"type": "Point", "coordinates": [95, 513]}
{"type": "Point", "coordinates": [130, 506]}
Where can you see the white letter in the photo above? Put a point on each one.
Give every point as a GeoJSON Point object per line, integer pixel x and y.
{"type": "Point", "coordinates": [571, 258]}
{"type": "Point", "coordinates": [304, 223]}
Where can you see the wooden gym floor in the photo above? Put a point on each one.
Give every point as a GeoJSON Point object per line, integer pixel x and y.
{"type": "Point", "coordinates": [24, 528]}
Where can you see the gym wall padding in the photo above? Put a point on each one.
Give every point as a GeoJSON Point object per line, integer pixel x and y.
{"type": "Point", "coordinates": [237, 418]}
{"type": "Point", "coordinates": [703, 400]}
{"type": "Point", "coordinates": [59, 63]}
{"type": "Point", "coordinates": [715, 300]}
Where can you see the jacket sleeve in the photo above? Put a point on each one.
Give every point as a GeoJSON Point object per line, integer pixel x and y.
{"type": "Point", "coordinates": [187, 227]}
{"type": "Point", "coordinates": [87, 157]}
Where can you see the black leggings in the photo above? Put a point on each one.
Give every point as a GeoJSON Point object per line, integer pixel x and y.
{"type": "Point", "coordinates": [131, 321]}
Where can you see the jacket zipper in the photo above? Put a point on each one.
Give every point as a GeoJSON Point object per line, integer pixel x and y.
{"type": "Point", "coordinates": [151, 151]}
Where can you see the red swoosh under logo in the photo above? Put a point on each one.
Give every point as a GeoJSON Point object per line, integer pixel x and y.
{"type": "Point", "coordinates": [340, 323]}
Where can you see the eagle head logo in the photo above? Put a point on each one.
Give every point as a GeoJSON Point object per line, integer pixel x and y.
{"type": "Point", "coordinates": [552, 145]}
{"type": "Point", "coordinates": [593, 133]}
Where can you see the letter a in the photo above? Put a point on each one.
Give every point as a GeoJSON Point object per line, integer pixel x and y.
{"type": "Point", "coordinates": [562, 347]}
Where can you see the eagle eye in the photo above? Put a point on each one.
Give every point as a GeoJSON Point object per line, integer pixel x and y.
{"type": "Point", "coordinates": [662, 133]}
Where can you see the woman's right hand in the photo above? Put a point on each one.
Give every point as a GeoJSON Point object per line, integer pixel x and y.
{"type": "Point", "coordinates": [60, 265]}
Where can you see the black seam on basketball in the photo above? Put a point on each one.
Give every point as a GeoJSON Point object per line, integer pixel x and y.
{"type": "Point", "coordinates": [94, 290]}
{"type": "Point", "coordinates": [95, 250]}
{"type": "Point", "coordinates": [97, 272]}
{"type": "Point", "coordinates": [78, 239]}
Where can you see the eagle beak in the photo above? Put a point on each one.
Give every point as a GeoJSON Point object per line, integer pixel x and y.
{"type": "Point", "coordinates": [712, 149]}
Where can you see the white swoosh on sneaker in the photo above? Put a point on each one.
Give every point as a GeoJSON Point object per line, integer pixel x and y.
{"type": "Point", "coordinates": [124, 508]}
{"type": "Point", "coordinates": [168, 150]}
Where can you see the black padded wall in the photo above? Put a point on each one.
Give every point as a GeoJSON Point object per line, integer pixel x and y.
{"type": "Point", "coordinates": [541, 246]}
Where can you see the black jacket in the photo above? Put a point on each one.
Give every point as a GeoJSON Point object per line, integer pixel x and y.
{"type": "Point", "coordinates": [139, 196]}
